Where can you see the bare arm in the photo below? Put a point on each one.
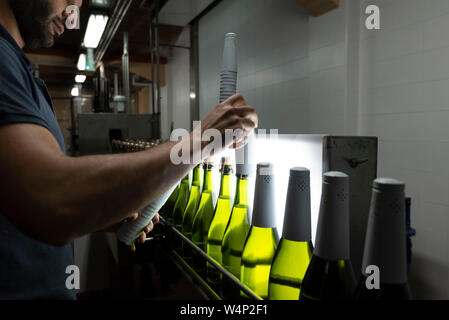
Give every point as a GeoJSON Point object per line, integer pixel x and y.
{"type": "Point", "coordinates": [55, 198]}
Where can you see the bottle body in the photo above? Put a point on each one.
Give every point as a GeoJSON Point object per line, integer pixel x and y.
{"type": "Point", "coordinates": [167, 208]}
{"type": "Point", "coordinates": [192, 205]}
{"type": "Point", "coordinates": [201, 222]}
{"type": "Point", "coordinates": [200, 228]}
{"type": "Point", "coordinates": [261, 244]}
{"type": "Point", "coordinates": [257, 257]}
{"type": "Point", "coordinates": [330, 275]}
{"type": "Point", "coordinates": [328, 280]}
{"type": "Point", "coordinates": [235, 237]}
{"type": "Point", "coordinates": [288, 269]}
{"type": "Point", "coordinates": [218, 226]}
{"type": "Point", "coordinates": [181, 202]}
{"type": "Point", "coordinates": [295, 249]}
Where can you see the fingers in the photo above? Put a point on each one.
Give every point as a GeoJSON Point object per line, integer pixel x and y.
{"type": "Point", "coordinates": [242, 127]}
{"type": "Point", "coordinates": [239, 107]}
{"type": "Point", "coordinates": [236, 100]}
{"type": "Point", "coordinates": [149, 227]}
{"type": "Point", "coordinates": [240, 143]}
{"type": "Point", "coordinates": [248, 124]}
{"type": "Point", "coordinates": [134, 216]}
{"type": "Point", "coordinates": [142, 237]}
{"type": "Point", "coordinates": [241, 116]}
{"type": "Point", "coordinates": [234, 119]}
{"type": "Point", "coordinates": [246, 112]}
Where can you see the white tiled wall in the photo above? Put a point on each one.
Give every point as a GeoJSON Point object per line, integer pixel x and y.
{"type": "Point", "coordinates": [273, 59]}
{"type": "Point", "coordinates": [178, 87]}
{"type": "Point", "coordinates": [287, 62]}
{"type": "Point", "coordinates": [405, 101]}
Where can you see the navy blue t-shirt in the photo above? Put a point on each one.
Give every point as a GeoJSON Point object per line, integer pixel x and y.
{"type": "Point", "coordinates": [29, 269]}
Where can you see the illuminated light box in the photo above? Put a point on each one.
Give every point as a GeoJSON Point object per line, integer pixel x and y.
{"type": "Point", "coordinates": [284, 152]}
{"type": "Point", "coordinates": [355, 156]}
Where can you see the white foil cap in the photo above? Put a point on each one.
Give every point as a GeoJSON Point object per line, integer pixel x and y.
{"type": "Point", "coordinates": [264, 214]}
{"type": "Point", "coordinates": [129, 231]}
{"type": "Point", "coordinates": [332, 236]}
{"type": "Point", "coordinates": [244, 158]}
{"type": "Point", "coordinates": [297, 225]}
{"type": "Point", "coordinates": [229, 62]}
{"type": "Point", "coordinates": [385, 244]}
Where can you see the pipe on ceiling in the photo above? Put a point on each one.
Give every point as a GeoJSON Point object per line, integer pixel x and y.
{"type": "Point", "coordinates": [120, 10]}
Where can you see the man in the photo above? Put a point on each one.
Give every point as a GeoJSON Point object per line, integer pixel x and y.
{"type": "Point", "coordinates": [48, 199]}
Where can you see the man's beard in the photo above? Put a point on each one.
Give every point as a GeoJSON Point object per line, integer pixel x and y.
{"type": "Point", "coordinates": [34, 20]}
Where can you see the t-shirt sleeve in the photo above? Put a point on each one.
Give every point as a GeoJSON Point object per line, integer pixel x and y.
{"type": "Point", "coordinates": [17, 104]}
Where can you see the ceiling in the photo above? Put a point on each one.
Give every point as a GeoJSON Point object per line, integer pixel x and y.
{"type": "Point", "coordinates": [181, 12]}
{"type": "Point", "coordinates": [136, 21]}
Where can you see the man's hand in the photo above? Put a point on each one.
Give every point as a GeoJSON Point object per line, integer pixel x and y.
{"type": "Point", "coordinates": [71, 197]}
{"type": "Point", "coordinates": [144, 232]}
{"type": "Point", "coordinates": [232, 114]}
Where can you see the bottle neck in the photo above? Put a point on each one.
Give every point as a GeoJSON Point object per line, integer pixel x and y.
{"type": "Point", "coordinates": [297, 220]}
{"type": "Point", "coordinates": [224, 188]}
{"type": "Point", "coordinates": [207, 185]}
{"type": "Point", "coordinates": [226, 171]}
{"type": "Point", "coordinates": [332, 235]}
{"type": "Point", "coordinates": [196, 176]}
{"type": "Point", "coordinates": [241, 197]}
{"type": "Point", "coordinates": [264, 212]}
{"type": "Point", "coordinates": [185, 179]}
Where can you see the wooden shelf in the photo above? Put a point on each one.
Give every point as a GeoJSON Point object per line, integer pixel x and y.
{"type": "Point", "coordinates": [319, 7]}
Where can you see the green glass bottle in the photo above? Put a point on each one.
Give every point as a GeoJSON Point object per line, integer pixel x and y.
{"type": "Point", "coordinates": [295, 249]}
{"type": "Point", "coordinates": [167, 209]}
{"type": "Point", "coordinates": [201, 221]}
{"type": "Point", "coordinates": [181, 202]}
{"type": "Point", "coordinates": [330, 275]}
{"type": "Point", "coordinates": [218, 224]}
{"type": "Point", "coordinates": [261, 244]}
{"type": "Point", "coordinates": [192, 204]}
{"type": "Point", "coordinates": [235, 237]}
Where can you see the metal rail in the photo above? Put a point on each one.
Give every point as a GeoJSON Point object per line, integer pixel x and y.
{"type": "Point", "coordinates": [125, 73]}
{"type": "Point", "coordinates": [207, 290]}
{"type": "Point", "coordinates": [153, 89]}
{"type": "Point", "coordinates": [158, 60]}
{"type": "Point", "coordinates": [119, 13]}
{"type": "Point", "coordinates": [217, 266]}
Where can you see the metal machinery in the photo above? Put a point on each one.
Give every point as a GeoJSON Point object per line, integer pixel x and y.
{"type": "Point", "coordinates": [97, 130]}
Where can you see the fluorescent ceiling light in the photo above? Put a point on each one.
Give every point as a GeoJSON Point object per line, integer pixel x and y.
{"type": "Point", "coordinates": [95, 28]}
{"type": "Point", "coordinates": [80, 78]}
{"type": "Point", "coordinates": [81, 65]}
{"type": "Point", "coordinates": [75, 92]}
{"type": "Point", "coordinates": [101, 3]}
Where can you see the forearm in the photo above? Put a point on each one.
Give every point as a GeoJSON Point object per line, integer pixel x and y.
{"type": "Point", "coordinates": [106, 189]}
{"type": "Point", "coordinates": [98, 191]}
{"type": "Point", "coordinates": [56, 198]}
